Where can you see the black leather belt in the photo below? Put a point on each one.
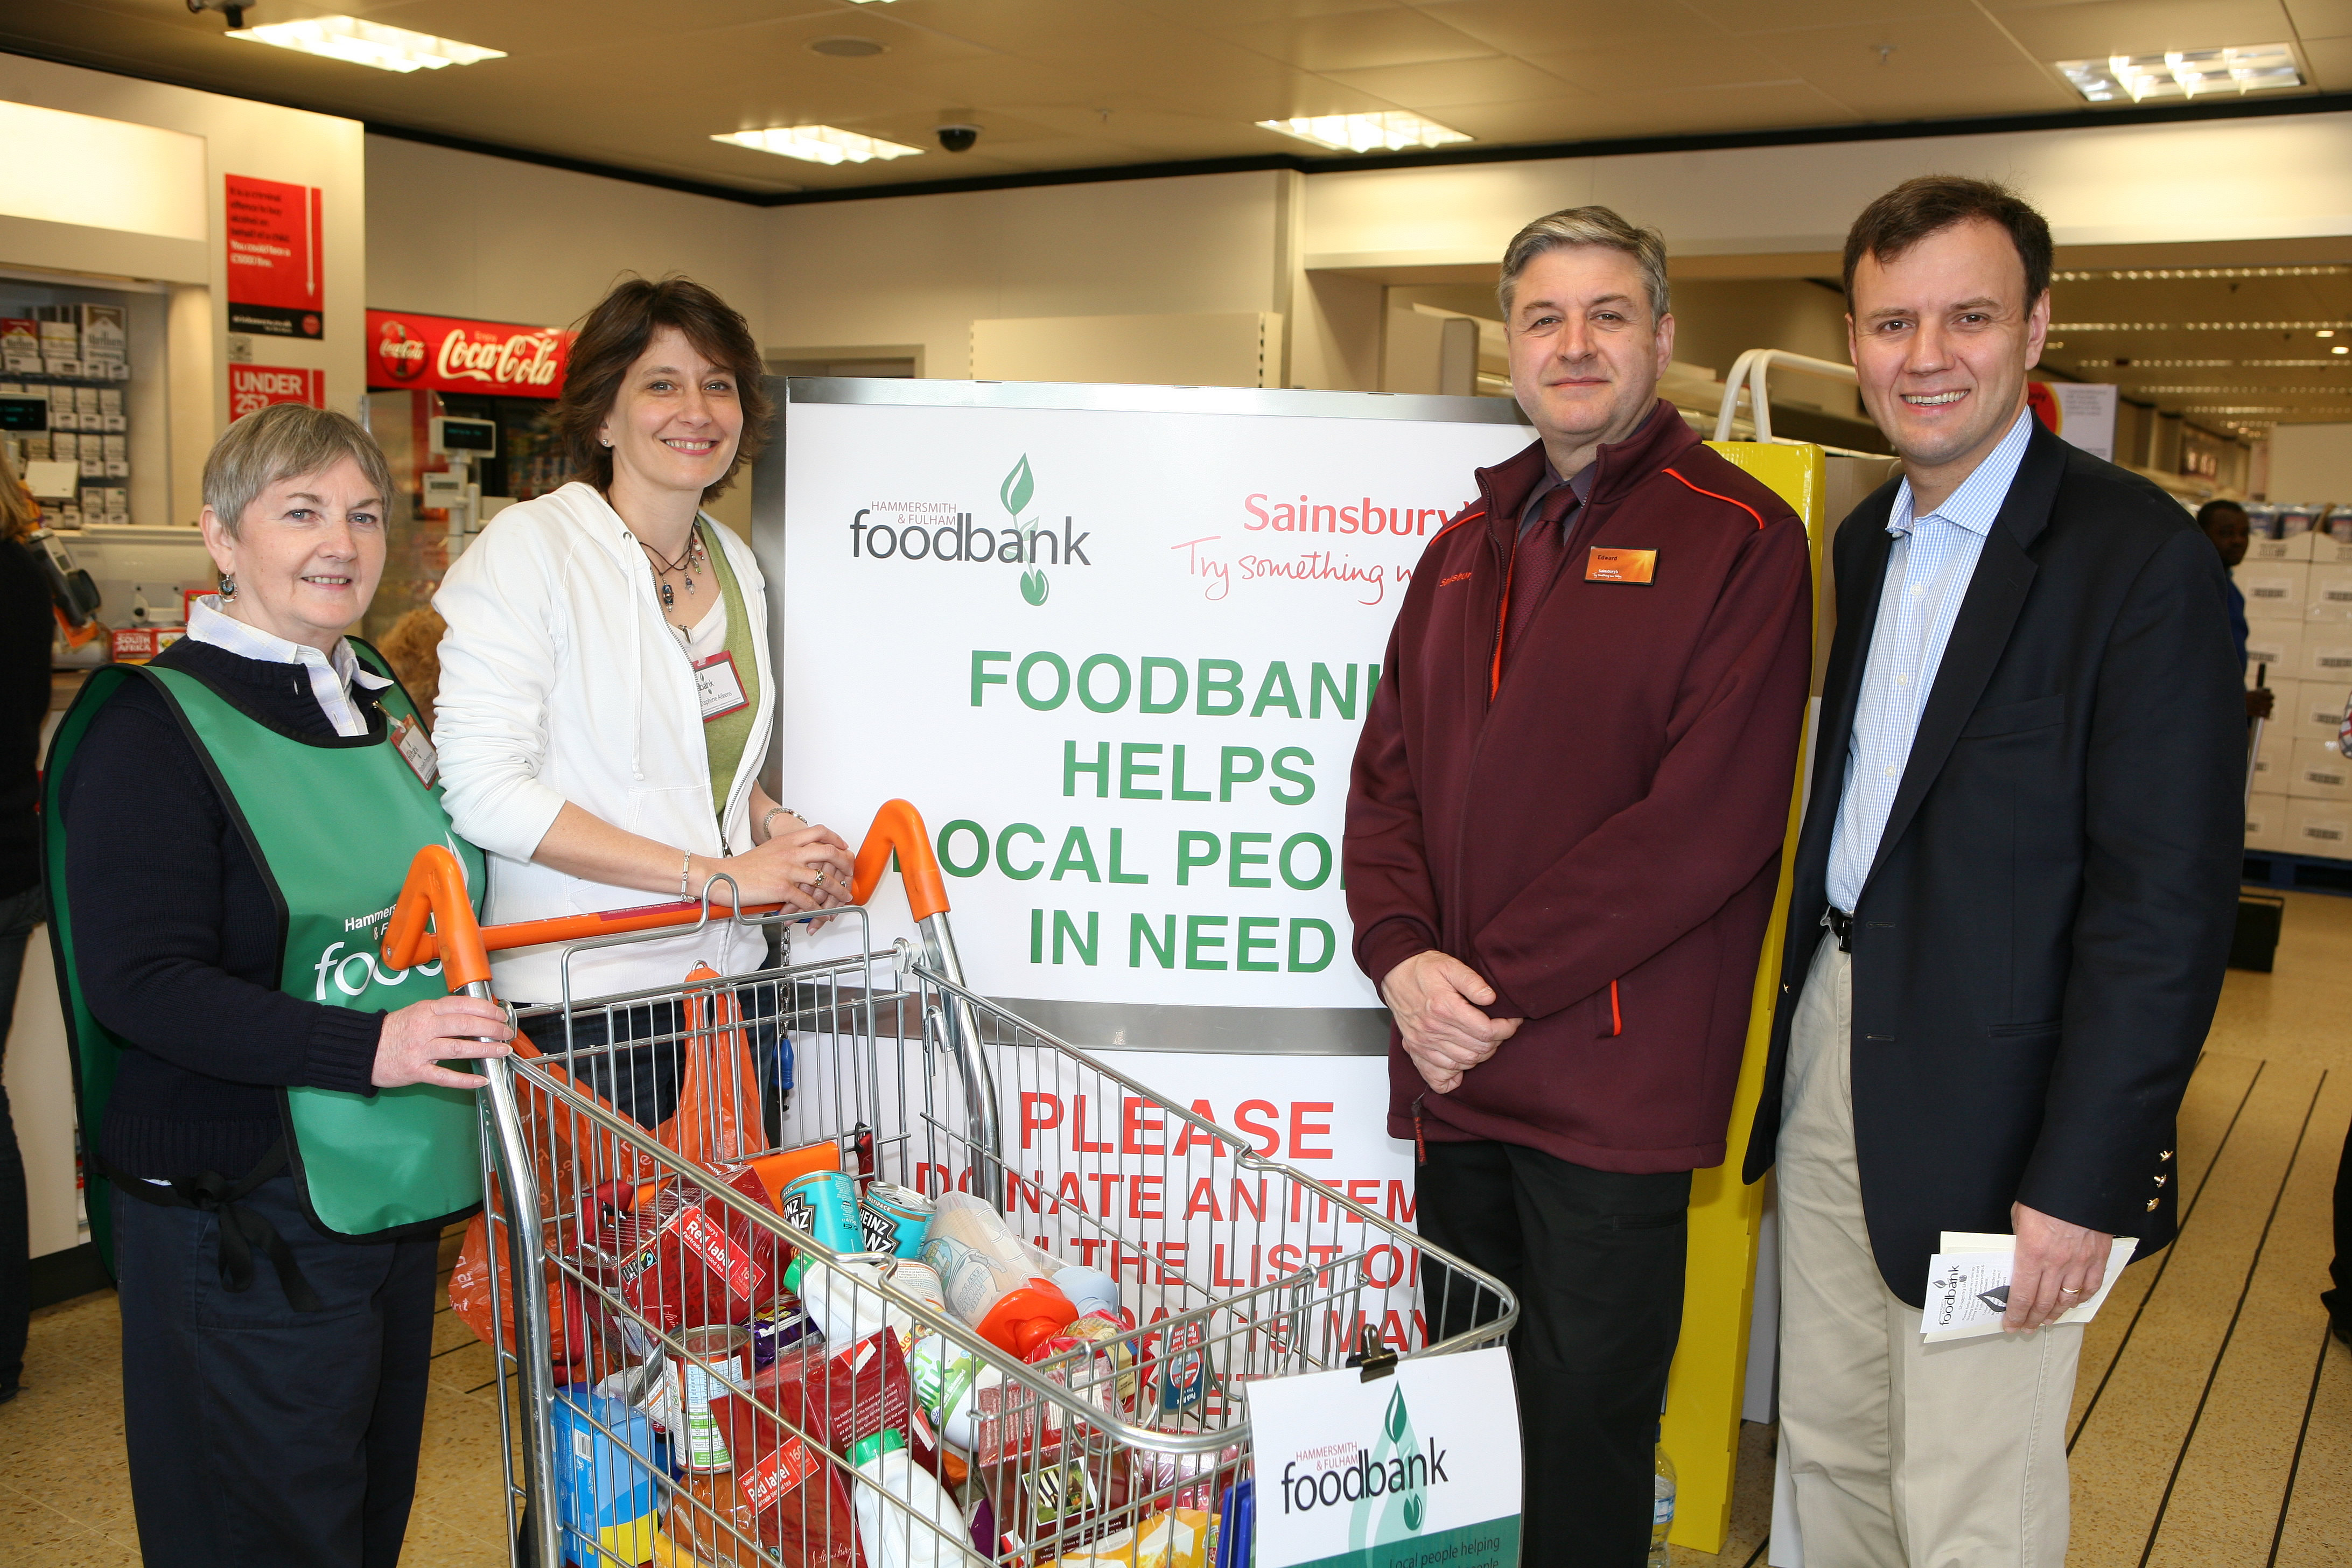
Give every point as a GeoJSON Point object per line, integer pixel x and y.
{"type": "Point", "coordinates": [1841, 926]}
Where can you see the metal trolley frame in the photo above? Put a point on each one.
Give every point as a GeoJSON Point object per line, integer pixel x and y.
{"type": "Point", "coordinates": [1231, 1266]}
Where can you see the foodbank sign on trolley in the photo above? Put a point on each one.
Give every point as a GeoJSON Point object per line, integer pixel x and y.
{"type": "Point", "coordinates": [1419, 1469]}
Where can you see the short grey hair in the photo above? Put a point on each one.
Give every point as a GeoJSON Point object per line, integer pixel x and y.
{"type": "Point", "coordinates": [1588, 226]}
{"type": "Point", "coordinates": [284, 441]}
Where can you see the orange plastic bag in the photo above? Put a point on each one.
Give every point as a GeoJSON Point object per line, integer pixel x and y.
{"type": "Point", "coordinates": [717, 1109]}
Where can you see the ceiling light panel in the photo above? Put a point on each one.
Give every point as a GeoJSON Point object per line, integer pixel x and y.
{"type": "Point", "coordinates": [2184, 73]}
{"type": "Point", "coordinates": [1391, 132]}
{"type": "Point", "coordinates": [2183, 274]}
{"type": "Point", "coordinates": [354, 42]}
{"type": "Point", "coordinates": [2196, 326]}
{"type": "Point", "coordinates": [819, 144]}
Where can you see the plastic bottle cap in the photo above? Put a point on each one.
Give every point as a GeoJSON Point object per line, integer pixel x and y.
{"type": "Point", "coordinates": [795, 1271]}
{"type": "Point", "coordinates": [1027, 1317]}
{"type": "Point", "coordinates": [888, 1440]}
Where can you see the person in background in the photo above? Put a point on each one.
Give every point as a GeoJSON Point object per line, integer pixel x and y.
{"type": "Point", "coordinates": [2012, 902]}
{"type": "Point", "coordinates": [280, 1138]}
{"type": "Point", "coordinates": [1563, 839]}
{"type": "Point", "coordinates": [2224, 522]}
{"type": "Point", "coordinates": [413, 648]}
{"type": "Point", "coordinates": [606, 698]}
{"type": "Point", "coordinates": [25, 629]}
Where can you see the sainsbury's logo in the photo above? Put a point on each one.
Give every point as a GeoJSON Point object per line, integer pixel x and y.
{"type": "Point", "coordinates": [1362, 515]}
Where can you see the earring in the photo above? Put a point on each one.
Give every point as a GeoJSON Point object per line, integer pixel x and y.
{"type": "Point", "coordinates": [227, 586]}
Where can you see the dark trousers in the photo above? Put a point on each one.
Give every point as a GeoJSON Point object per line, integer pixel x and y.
{"type": "Point", "coordinates": [1596, 1261]}
{"type": "Point", "coordinates": [258, 1434]}
{"type": "Point", "coordinates": [19, 914]}
{"type": "Point", "coordinates": [2338, 1301]}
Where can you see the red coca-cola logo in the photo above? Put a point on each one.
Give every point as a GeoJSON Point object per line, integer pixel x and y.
{"type": "Point", "coordinates": [400, 352]}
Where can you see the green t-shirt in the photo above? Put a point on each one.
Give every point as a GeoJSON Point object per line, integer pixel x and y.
{"type": "Point", "coordinates": [724, 738]}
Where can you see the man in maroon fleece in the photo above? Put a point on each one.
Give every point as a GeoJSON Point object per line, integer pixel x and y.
{"type": "Point", "coordinates": [1563, 834]}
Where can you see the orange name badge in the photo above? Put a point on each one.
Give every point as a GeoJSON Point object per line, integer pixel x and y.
{"type": "Point", "coordinates": [1620, 565]}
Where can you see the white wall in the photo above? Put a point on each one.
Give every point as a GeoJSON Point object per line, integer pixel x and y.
{"type": "Point", "coordinates": [456, 234]}
{"type": "Point", "coordinates": [923, 268]}
{"type": "Point", "coordinates": [2312, 463]}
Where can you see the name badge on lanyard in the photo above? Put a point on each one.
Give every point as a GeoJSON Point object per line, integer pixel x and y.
{"type": "Point", "coordinates": [720, 687]}
{"type": "Point", "coordinates": [415, 748]}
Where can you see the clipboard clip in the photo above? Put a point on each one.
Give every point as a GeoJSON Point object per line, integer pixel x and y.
{"type": "Point", "coordinates": [1372, 1354]}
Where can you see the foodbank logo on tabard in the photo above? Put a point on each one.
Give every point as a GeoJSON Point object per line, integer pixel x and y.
{"type": "Point", "coordinates": [937, 531]}
{"type": "Point", "coordinates": [1384, 1486]}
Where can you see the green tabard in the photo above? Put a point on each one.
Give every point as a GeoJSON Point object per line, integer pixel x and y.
{"type": "Point", "coordinates": [332, 822]}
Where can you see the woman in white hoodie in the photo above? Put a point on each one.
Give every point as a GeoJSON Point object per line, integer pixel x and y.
{"type": "Point", "coordinates": [606, 700]}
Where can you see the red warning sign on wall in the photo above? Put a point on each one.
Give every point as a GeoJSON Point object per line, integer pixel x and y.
{"type": "Point", "coordinates": [275, 287]}
{"type": "Point", "coordinates": [253, 387]}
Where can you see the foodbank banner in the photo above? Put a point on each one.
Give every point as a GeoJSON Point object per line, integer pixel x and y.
{"type": "Point", "coordinates": [1418, 1470]}
{"type": "Point", "coordinates": [1115, 644]}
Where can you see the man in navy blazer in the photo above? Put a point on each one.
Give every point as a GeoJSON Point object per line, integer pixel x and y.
{"type": "Point", "coordinates": [2015, 891]}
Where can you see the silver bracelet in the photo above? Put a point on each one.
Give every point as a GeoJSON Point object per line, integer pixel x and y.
{"type": "Point", "coordinates": [774, 812]}
{"type": "Point", "coordinates": [685, 872]}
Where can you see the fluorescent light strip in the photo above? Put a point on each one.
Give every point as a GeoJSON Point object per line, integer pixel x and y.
{"type": "Point", "coordinates": [2222, 391]}
{"type": "Point", "coordinates": [2181, 274]}
{"type": "Point", "coordinates": [2184, 73]}
{"type": "Point", "coordinates": [2199, 326]}
{"type": "Point", "coordinates": [819, 144]}
{"type": "Point", "coordinates": [1392, 131]}
{"type": "Point", "coordinates": [2214, 364]}
{"type": "Point", "coordinates": [354, 42]}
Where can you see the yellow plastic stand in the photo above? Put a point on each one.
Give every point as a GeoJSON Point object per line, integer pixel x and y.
{"type": "Point", "coordinates": [1704, 1391]}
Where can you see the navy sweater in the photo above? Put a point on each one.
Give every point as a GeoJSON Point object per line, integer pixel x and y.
{"type": "Point", "coordinates": [176, 933]}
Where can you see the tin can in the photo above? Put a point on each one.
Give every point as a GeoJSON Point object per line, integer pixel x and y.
{"type": "Point", "coordinates": [708, 1360]}
{"type": "Point", "coordinates": [893, 1218]}
{"type": "Point", "coordinates": [824, 1203]}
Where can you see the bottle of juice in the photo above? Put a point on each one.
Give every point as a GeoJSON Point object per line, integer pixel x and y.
{"type": "Point", "coordinates": [991, 1276]}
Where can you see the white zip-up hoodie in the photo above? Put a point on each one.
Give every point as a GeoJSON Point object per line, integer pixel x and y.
{"type": "Point", "coordinates": [560, 681]}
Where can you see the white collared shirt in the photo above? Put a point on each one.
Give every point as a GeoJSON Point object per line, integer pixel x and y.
{"type": "Point", "coordinates": [331, 677]}
{"type": "Point", "coordinates": [1927, 572]}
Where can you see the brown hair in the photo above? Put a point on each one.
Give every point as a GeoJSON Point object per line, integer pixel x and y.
{"type": "Point", "coordinates": [412, 649]}
{"type": "Point", "coordinates": [1933, 203]}
{"type": "Point", "coordinates": [617, 330]}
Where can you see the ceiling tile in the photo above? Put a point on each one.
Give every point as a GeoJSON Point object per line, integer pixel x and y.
{"type": "Point", "coordinates": [1570, 117]}
{"type": "Point", "coordinates": [1536, 27]}
{"type": "Point", "coordinates": [2321, 18]}
{"type": "Point", "coordinates": [1433, 86]}
{"type": "Point", "coordinates": [2104, 27]}
{"type": "Point", "coordinates": [1228, 14]}
{"type": "Point", "coordinates": [1753, 106]}
{"type": "Point", "coordinates": [1943, 67]}
{"type": "Point", "coordinates": [1697, 59]}
{"type": "Point", "coordinates": [2331, 64]}
{"type": "Point", "coordinates": [1789, 16]}
{"type": "Point", "coordinates": [1357, 41]}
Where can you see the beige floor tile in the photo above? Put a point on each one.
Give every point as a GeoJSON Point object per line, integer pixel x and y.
{"type": "Point", "coordinates": [2232, 1477]}
{"type": "Point", "coordinates": [29, 1526]}
{"type": "Point", "coordinates": [2318, 1530]}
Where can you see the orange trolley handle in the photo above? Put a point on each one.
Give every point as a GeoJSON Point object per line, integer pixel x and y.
{"type": "Point", "coordinates": [434, 892]}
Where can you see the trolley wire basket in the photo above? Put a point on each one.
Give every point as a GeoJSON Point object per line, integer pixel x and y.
{"type": "Point", "coordinates": [729, 1343]}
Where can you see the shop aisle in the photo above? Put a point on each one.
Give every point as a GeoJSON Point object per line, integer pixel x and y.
{"type": "Point", "coordinates": [2212, 1422]}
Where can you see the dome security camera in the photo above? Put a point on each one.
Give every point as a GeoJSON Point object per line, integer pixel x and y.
{"type": "Point", "coordinates": [957, 138]}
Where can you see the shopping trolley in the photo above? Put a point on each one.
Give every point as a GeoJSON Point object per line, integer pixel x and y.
{"type": "Point", "coordinates": [664, 1394]}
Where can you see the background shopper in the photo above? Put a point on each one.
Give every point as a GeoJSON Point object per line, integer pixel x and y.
{"type": "Point", "coordinates": [1563, 829]}
{"type": "Point", "coordinates": [273, 1369]}
{"type": "Point", "coordinates": [25, 629]}
{"type": "Point", "coordinates": [2224, 522]}
{"type": "Point", "coordinates": [606, 701]}
{"type": "Point", "coordinates": [2013, 898]}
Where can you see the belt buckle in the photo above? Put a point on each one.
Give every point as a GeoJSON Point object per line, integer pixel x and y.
{"type": "Point", "coordinates": [1841, 926]}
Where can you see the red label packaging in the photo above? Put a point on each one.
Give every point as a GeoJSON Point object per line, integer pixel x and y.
{"type": "Point", "coordinates": [806, 1521]}
{"type": "Point", "coordinates": [686, 1258]}
{"type": "Point", "coordinates": [834, 1398]}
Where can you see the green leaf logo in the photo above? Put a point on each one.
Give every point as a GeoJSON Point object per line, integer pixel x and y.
{"type": "Point", "coordinates": [1397, 1418]}
{"type": "Point", "coordinates": [1413, 1512]}
{"type": "Point", "coordinates": [1033, 586]}
{"type": "Point", "coordinates": [1019, 486]}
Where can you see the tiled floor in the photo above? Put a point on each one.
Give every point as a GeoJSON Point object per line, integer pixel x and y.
{"type": "Point", "coordinates": [2212, 1422]}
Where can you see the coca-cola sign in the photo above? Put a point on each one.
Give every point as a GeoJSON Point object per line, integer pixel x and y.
{"type": "Point", "coordinates": [438, 354]}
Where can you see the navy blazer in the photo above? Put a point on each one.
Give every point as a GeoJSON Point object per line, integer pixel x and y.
{"type": "Point", "coordinates": [2042, 937]}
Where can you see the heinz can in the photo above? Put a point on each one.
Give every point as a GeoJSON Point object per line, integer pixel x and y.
{"type": "Point", "coordinates": [708, 1361]}
{"type": "Point", "coordinates": [824, 1203]}
{"type": "Point", "coordinates": [893, 1219]}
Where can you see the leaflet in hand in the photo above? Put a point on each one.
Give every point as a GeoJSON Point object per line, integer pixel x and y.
{"type": "Point", "coordinates": [1967, 1285]}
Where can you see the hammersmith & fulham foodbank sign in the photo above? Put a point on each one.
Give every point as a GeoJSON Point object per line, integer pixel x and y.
{"type": "Point", "coordinates": [938, 531]}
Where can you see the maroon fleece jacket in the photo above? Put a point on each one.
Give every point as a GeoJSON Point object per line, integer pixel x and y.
{"type": "Point", "coordinates": [1596, 828]}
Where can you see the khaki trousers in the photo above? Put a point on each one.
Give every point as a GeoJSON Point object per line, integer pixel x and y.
{"type": "Point", "coordinates": [1905, 1455]}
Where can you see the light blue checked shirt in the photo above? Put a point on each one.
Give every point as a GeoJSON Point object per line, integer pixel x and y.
{"type": "Point", "coordinates": [1927, 572]}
